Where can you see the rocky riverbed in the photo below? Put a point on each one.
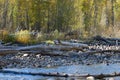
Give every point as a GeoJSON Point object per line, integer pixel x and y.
{"type": "Point", "coordinates": [76, 57]}
{"type": "Point", "coordinates": [25, 60]}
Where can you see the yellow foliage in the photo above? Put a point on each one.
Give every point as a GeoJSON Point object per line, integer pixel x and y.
{"type": "Point", "coordinates": [23, 36]}
{"type": "Point", "coordinates": [86, 34]}
{"type": "Point", "coordinates": [5, 32]}
{"type": "Point", "coordinates": [49, 42]}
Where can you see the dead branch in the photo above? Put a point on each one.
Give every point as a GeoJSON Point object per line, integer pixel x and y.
{"type": "Point", "coordinates": [7, 51]}
{"type": "Point", "coordinates": [50, 48]}
{"type": "Point", "coordinates": [65, 43]}
{"type": "Point", "coordinates": [103, 51]}
{"type": "Point", "coordinates": [113, 39]}
{"type": "Point", "coordinates": [46, 53]}
{"type": "Point", "coordinates": [99, 38]}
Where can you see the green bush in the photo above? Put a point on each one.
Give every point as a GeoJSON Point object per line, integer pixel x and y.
{"type": "Point", "coordinates": [5, 36]}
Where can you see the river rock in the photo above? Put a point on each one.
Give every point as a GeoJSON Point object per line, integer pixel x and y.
{"type": "Point", "coordinates": [25, 55]}
{"type": "Point", "coordinates": [90, 78]}
{"type": "Point", "coordinates": [111, 79]}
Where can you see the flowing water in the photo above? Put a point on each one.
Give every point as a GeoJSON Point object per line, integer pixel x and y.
{"type": "Point", "coordinates": [79, 69]}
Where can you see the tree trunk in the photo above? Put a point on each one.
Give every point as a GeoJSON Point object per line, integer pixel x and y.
{"type": "Point", "coordinates": [112, 9]}
{"type": "Point", "coordinates": [26, 19]}
{"type": "Point", "coordinates": [95, 15]}
{"type": "Point", "coordinates": [107, 16]}
{"type": "Point", "coordinates": [4, 15]}
{"type": "Point", "coordinates": [48, 23]}
{"type": "Point", "coordinates": [11, 20]}
{"type": "Point", "coordinates": [17, 22]}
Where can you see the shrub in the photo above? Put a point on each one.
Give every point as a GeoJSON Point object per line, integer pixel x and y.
{"type": "Point", "coordinates": [23, 36]}
{"type": "Point", "coordinates": [49, 42]}
{"type": "Point", "coordinates": [9, 38]}
{"type": "Point", "coordinates": [57, 35]}
{"type": "Point", "coordinates": [5, 36]}
{"type": "Point", "coordinates": [40, 37]}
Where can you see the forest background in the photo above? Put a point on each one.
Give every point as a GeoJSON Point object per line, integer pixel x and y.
{"type": "Point", "coordinates": [29, 21]}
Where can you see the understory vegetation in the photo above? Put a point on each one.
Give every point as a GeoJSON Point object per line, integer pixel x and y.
{"type": "Point", "coordinates": [28, 37]}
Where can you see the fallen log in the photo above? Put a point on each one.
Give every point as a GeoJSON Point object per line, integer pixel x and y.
{"type": "Point", "coordinates": [8, 51]}
{"type": "Point", "coordinates": [11, 51]}
{"type": "Point", "coordinates": [49, 51]}
{"type": "Point", "coordinates": [73, 44]}
{"type": "Point", "coordinates": [56, 74]}
{"type": "Point", "coordinates": [46, 53]}
{"type": "Point", "coordinates": [99, 38]}
{"type": "Point", "coordinates": [50, 48]}
{"type": "Point", "coordinates": [46, 49]}
{"type": "Point", "coordinates": [102, 51]}
{"type": "Point", "coordinates": [113, 39]}
{"type": "Point", "coordinates": [116, 41]}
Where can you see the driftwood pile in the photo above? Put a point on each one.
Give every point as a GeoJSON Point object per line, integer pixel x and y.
{"type": "Point", "coordinates": [108, 41]}
{"type": "Point", "coordinates": [60, 48]}
{"type": "Point", "coordinates": [46, 49]}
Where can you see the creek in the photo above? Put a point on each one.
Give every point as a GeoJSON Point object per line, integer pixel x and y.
{"type": "Point", "coordinates": [73, 69]}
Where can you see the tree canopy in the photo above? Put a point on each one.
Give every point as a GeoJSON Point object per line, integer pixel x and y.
{"type": "Point", "coordinates": [86, 16]}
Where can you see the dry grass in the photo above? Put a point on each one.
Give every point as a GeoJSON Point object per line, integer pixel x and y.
{"type": "Point", "coordinates": [3, 34]}
{"type": "Point", "coordinates": [57, 35]}
{"type": "Point", "coordinates": [40, 37]}
{"type": "Point", "coordinates": [23, 36]}
{"type": "Point", "coordinates": [113, 32]}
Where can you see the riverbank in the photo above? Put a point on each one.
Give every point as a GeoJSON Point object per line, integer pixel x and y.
{"type": "Point", "coordinates": [25, 60]}
{"type": "Point", "coordinates": [62, 53]}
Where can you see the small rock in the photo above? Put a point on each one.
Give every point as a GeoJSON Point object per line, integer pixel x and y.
{"type": "Point", "coordinates": [48, 65]}
{"type": "Point", "coordinates": [38, 55]}
{"type": "Point", "coordinates": [111, 79]}
{"type": "Point", "coordinates": [25, 55]}
{"type": "Point", "coordinates": [90, 78]}
{"type": "Point", "coordinates": [50, 79]}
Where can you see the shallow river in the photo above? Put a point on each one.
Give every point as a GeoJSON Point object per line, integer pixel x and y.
{"type": "Point", "coordinates": [82, 69]}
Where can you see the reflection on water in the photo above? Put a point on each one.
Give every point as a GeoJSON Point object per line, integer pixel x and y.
{"type": "Point", "coordinates": [79, 69]}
